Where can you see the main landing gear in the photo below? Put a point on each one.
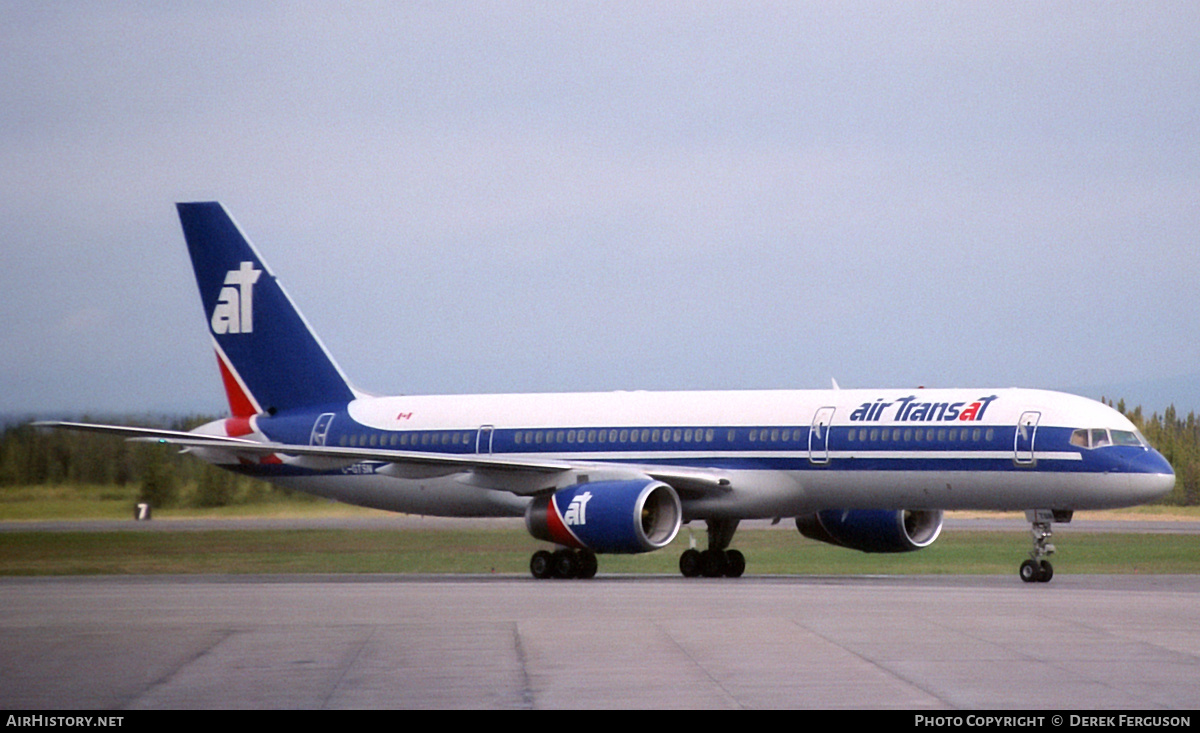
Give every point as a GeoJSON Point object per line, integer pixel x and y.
{"type": "Point", "coordinates": [1037, 569]}
{"type": "Point", "coordinates": [717, 560]}
{"type": "Point", "coordinates": [563, 563]}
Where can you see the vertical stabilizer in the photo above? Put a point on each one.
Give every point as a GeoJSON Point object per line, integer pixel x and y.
{"type": "Point", "coordinates": [270, 359]}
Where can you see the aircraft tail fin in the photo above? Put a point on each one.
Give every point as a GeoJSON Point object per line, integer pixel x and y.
{"type": "Point", "coordinates": [269, 357]}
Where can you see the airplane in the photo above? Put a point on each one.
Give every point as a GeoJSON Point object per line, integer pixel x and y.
{"type": "Point", "coordinates": [620, 472]}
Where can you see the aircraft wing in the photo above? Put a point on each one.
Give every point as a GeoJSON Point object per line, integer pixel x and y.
{"type": "Point", "coordinates": [683, 479]}
{"type": "Point", "coordinates": [349, 455]}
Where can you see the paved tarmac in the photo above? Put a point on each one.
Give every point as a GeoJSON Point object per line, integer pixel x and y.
{"type": "Point", "coordinates": [1079, 643]}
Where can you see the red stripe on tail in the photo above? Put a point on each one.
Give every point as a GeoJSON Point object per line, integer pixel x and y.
{"type": "Point", "coordinates": [240, 404]}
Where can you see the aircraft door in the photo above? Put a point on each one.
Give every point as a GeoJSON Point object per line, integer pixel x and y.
{"type": "Point", "coordinates": [1023, 441]}
{"type": "Point", "coordinates": [320, 429]}
{"type": "Point", "coordinates": [483, 443]}
{"type": "Point", "coordinates": [818, 436]}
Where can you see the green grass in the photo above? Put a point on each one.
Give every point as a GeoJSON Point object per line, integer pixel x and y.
{"type": "Point", "coordinates": [93, 501]}
{"type": "Point", "coordinates": [774, 551]}
{"type": "Point", "coordinates": [768, 552]}
{"type": "Point", "coordinates": [67, 502]}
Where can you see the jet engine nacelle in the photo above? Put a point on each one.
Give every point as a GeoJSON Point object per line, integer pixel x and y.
{"type": "Point", "coordinates": [873, 530]}
{"type": "Point", "coordinates": [608, 516]}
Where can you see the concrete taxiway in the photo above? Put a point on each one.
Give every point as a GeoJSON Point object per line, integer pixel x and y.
{"type": "Point", "coordinates": [1081, 642]}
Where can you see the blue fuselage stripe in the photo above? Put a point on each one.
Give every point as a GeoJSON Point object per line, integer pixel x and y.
{"type": "Point", "coordinates": [971, 447]}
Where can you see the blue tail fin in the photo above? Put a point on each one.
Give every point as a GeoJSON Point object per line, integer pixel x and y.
{"type": "Point", "coordinates": [269, 357]}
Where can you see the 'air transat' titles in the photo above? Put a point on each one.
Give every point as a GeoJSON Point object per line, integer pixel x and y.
{"type": "Point", "coordinates": [907, 409]}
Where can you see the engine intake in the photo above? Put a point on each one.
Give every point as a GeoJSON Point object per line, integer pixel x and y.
{"type": "Point", "coordinates": [608, 516]}
{"type": "Point", "coordinates": [873, 530]}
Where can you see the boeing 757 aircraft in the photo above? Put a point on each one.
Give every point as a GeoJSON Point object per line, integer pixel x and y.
{"type": "Point", "coordinates": [619, 472]}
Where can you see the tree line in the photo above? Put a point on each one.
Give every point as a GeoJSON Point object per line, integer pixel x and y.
{"type": "Point", "coordinates": [161, 475]}
{"type": "Point", "coordinates": [1178, 439]}
{"type": "Point", "coordinates": [164, 477]}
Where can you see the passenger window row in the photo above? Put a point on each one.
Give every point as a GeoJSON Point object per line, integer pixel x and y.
{"type": "Point", "coordinates": [410, 440]}
{"type": "Point", "coordinates": [940, 435]}
{"type": "Point", "coordinates": [590, 436]}
{"type": "Point", "coordinates": [615, 435]}
{"type": "Point", "coordinates": [465, 440]}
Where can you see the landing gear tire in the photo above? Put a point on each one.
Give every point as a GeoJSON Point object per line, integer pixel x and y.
{"type": "Point", "coordinates": [541, 565]}
{"type": "Point", "coordinates": [712, 563]}
{"type": "Point", "coordinates": [1046, 572]}
{"type": "Point", "coordinates": [563, 563]}
{"type": "Point", "coordinates": [1029, 571]}
{"type": "Point", "coordinates": [735, 564]}
{"type": "Point", "coordinates": [566, 565]}
{"type": "Point", "coordinates": [689, 563]}
{"type": "Point", "coordinates": [718, 560]}
{"type": "Point", "coordinates": [587, 565]}
{"type": "Point", "coordinates": [1036, 572]}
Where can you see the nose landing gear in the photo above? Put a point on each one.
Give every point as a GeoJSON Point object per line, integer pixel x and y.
{"type": "Point", "coordinates": [1037, 569]}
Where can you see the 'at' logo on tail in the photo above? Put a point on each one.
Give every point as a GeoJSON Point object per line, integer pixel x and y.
{"type": "Point", "coordinates": [270, 359]}
{"type": "Point", "coordinates": [235, 308]}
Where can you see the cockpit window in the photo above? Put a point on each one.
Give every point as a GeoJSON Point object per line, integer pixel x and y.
{"type": "Point", "coordinates": [1100, 437]}
{"type": "Point", "coordinates": [1126, 437]}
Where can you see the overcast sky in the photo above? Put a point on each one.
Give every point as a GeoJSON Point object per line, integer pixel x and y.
{"type": "Point", "coordinates": [510, 197]}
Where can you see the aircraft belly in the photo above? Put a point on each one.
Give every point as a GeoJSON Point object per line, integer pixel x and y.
{"type": "Point", "coordinates": [999, 490]}
{"type": "Point", "coordinates": [752, 495]}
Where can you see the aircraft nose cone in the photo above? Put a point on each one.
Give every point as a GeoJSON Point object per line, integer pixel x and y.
{"type": "Point", "coordinates": [1151, 475]}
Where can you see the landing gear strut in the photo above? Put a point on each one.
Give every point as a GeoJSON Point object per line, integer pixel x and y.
{"type": "Point", "coordinates": [1037, 569]}
{"type": "Point", "coordinates": [717, 560]}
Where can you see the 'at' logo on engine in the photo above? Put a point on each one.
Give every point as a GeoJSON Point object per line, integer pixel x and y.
{"type": "Point", "coordinates": [235, 307]}
{"type": "Point", "coordinates": [577, 510]}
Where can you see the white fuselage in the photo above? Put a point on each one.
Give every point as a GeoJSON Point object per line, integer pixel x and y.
{"type": "Point", "coordinates": [741, 454]}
